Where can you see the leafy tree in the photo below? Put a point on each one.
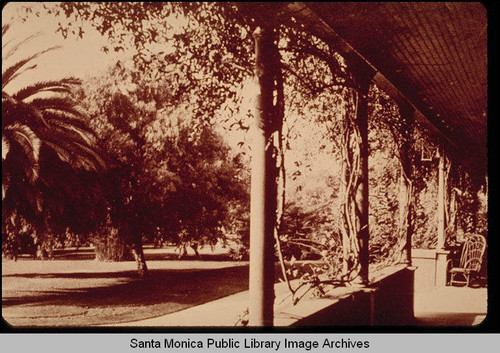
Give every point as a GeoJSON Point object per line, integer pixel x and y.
{"type": "Point", "coordinates": [170, 183]}
{"type": "Point", "coordinates": [205, 188]}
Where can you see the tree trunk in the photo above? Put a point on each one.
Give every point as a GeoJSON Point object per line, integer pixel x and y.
{"type": "Point", "coordinates": [142, 269]}
{"type": "Point", "coordinates": [110, 245]}
{"type": "Point", "coordinates": [138, 252]}
{"type": "Point", "coordinates": [194, 246]}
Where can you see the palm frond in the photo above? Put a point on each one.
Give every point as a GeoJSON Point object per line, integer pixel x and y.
{"type": "Point", "coordinates": [6, 44]}
{"type": "Point", "coordinates": [67, 133]}
{"type": "Point", "coordinates": [6, 54]}
{"type": "Point", "coordinates": [28, 144]}
{"type": "Point", "coordinates": [5, 147]}
{"type": "Point", "coordinates": [32, 67]}
{"type": "Point", "coordinates": [69, 119]}
{"type": "Point", "coordinates": [23, 136]}
{"type": "Point", "coordinates": [5, 185]}
{"type": "Point", "coordinates": [7, 97]}
{"type": "Point", "coordinates": [64, 86]}
{"type": "Point", "coordinates": [15, 70]}
{"type": "Point", "coordinates": [5, 28]}
{"type": "Point", "coordinates": [20, 112]}
{"type": "Point", "coordinates": [60, 149]}
{"type": "Point", "coordinates": [77, 154]}
{"type": "Point", "coordinates": [64, 103]}
{"type": "Point", "coordinates": [62, 118]}
{"type": "Point", "coordinates": [93, 161]}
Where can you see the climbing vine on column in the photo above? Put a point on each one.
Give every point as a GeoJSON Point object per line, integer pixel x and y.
{"type": "Point", "coordinates": [402, 131]}
{"type": "Point", "coordinates": [350, 141]}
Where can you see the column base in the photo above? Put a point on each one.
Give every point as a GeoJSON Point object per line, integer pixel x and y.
{"type": "Point", "coordinates": [441, 261]}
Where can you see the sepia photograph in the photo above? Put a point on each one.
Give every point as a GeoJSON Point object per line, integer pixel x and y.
{"type": "Point", "coordinates": [235, 165]}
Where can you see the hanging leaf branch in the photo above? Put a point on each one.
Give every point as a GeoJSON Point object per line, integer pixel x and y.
{"type": "Point", "coordinates": [280, 167]}
{"type": "Point", "coordinates": [277, 141]}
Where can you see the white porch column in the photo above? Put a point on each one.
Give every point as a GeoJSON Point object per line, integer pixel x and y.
{"type": "Point", "coordinates": [441, 254]}
{"type": "Point", "coordinates": [441, 199]}
{"type": "Point", "coordinates": [263, 185]}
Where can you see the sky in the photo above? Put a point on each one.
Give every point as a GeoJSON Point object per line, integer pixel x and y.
{"type": "Point", "coordinates": [76, 57]}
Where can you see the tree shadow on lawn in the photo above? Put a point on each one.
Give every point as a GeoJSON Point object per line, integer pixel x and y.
{"type": "Point", "coordinates": [175, 257]}
{"type": "Point", "coordinates": [166, 254]}
{"type": "Point", "coordinates": [163, 292]}
{"type": "Point", "coordinates": [83, 275]}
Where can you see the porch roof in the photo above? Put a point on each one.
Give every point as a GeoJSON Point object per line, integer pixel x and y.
{"type": "Point", "coordinates": [432, 55]}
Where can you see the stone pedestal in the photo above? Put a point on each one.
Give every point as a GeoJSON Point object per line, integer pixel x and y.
{"type": "Point", "coordinates": [441, 260]}
{"type": "Point", "coordinates": [431, 267]}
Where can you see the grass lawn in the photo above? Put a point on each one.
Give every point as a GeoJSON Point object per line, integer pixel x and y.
{"type": "Point", "coordinates": [76, 290]}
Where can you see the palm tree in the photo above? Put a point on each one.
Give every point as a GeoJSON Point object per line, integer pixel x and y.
{"type": "Point", "coordinates": [41, 115]}
{"type": "Point", "coordinates": [42, 125]}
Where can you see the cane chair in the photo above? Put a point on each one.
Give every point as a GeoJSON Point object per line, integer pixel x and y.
{"type": "Point", "coordinates": [471, 260]}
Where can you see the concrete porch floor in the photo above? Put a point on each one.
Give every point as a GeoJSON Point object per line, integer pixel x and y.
{"type": "Point", "coordinates": [450, 306]}
{"type": "Point", "coordinates": [434, 306]}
